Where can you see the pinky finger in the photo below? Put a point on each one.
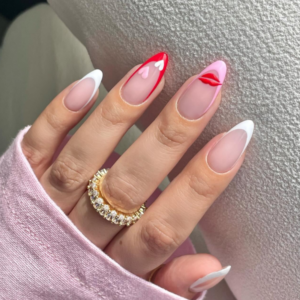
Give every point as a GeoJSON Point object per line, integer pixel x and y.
{"type": "Point", "coordinates": [59, 117]}
{"type": "Point", "coordinates": [190, 275]}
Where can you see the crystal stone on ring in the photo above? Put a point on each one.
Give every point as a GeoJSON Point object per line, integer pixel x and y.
{"type": "Point", "coordinates": [95, 195]}
{"type": "Point", "coordinates": [111, 215]}
{"type": "Point", "coordinates": [98, 202]}
{"type": "Point", "coordinates": [121, 219]}
{"type": "Point", "coordinates": [104, 209]}
{"type": "Point", "coordinates": [128, 220]}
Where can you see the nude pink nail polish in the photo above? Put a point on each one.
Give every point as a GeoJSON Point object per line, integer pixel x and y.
{"type": "Point", "coordinates": [83, 91]}
{"type": "Point", "coordinates": [201, 93]}
{"type": "Point", "coordinates": [223, 156]}
{"type": "Point", "coordinates": [145, 79]}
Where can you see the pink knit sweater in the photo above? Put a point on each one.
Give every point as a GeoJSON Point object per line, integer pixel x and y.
{"type": "Point", "coordinates": [44, 256]}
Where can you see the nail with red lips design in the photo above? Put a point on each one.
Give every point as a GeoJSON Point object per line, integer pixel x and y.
{"type": "Point", "coordinates": [202, 92]}
{"type": "Point", "coordinates": [210, 79]}
{"type": "Point", "coordinates": [145, 79]}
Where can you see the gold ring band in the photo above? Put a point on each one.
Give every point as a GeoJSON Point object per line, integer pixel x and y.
{"type": "Point", "coordinates": [153, 272]}
{"type": "Point", "coordinates": [105, 209]}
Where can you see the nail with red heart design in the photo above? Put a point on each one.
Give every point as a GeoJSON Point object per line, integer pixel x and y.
{"type": "Point", "coordinates": [145, 79]}
{"type": "Point", "coordinates": [202, 92]}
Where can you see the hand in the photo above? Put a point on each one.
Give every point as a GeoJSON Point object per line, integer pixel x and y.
{"type": "Point", "coordinates": [147, 244]}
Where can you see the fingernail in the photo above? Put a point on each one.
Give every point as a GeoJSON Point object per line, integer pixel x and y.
{"type": "Point", "coordinates": [145, 79]}
{"type": "Point", "coordinates": [222, 157]}
{"type": "Point", "coordinates": [83, 91]}
{"type": "Point", "coordinates": [202, 92]}
{"type": "Point", "coordinates": [209, 280]}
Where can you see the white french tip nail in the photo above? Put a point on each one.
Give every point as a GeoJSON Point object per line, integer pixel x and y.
{"type": "Point", "coordinates": [204, 282]}
{"type": "Point", "coordinates": [97, 76]}
{"type": "Point", "coordinates": [248, 126]}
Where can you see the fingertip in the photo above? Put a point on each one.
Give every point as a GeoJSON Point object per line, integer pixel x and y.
{"type": "Point", "coordinates": [142, 85]}
{"type": "Point", "coordinates": [208, 281]}
{"type": "Point", "coordinates": [178, 275]}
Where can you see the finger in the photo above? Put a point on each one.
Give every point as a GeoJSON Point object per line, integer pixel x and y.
{"type": "Point", "coordinates": [65, 181]}
{"type": "Point", "coordinates": [138, 172]}
{"type": "Point", "coordinates": [172, 217]}
{"type": "Point", "coordinates": [62, 114]}
{"type": "Point", "coordinates": [189, 275]}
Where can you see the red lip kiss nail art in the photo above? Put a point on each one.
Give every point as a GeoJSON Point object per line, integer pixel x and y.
{"type": "Point", "coordinates": [202, 92]}
{"type": "Point", "coordinates": [145, 79]}
{"type": "Point", "coordinates": [211, 79]}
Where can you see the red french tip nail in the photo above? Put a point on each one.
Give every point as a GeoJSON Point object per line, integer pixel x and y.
{"type": "Point", "coordinates": [161, 61]}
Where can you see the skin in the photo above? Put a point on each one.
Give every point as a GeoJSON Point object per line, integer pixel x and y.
{"type": "Point", "coordinates": [146, 245]}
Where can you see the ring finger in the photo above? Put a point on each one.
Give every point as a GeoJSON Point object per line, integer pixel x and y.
{"type": "Point", "coordinates": [139, 171]}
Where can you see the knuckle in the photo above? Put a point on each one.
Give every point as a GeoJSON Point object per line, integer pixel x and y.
{"type": "Point", "coordinates": [56, 123]}
{"type": "Point", "coordinates": [158, 238]}
{"type": "Point", "coordinates": [66, 175]}
{"type": "Point", "coordinates": [119, 189]}
{"type": "Point", "coordinates": [33, 156]}
{"type": "Point", "coordinates": [200, 187]}
{"type": "Point", "coordinates": [170, 136]}
{"type": "Point", "coordinates": [109, 114]}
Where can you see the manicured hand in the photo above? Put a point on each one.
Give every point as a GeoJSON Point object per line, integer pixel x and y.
{"type": "Point", "coordinates": [167, 223]}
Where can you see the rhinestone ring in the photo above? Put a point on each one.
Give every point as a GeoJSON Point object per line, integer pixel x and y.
{"type": "Point", "coordinates": [105, 209]}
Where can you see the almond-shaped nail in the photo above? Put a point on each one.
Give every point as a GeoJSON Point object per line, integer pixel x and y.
{"type": "Point", "coordinates": [145, 79]}
{"type": "Point", "coordinates": [223, 156]}
{"type": "Point", "coordinates": [83, 91]}
{"type": "Point", "coordinates": [209, 280]}
{"type": "Point", "coordinates": [202, 91]}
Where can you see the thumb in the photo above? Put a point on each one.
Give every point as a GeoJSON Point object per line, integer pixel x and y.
{"type": "Point", "coordinates": [189, 275]}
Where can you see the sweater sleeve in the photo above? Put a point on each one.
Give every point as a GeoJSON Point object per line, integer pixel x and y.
{"type": "Point", "coordinates": [44, 256]}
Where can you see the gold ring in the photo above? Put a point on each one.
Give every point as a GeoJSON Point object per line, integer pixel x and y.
{"type": "Point", "coordinates": [153, 272]}
{"type": "Point", "coordinates": [105, 209]}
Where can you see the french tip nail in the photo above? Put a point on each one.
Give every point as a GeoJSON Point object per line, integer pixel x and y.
{"type": "Point", "coordinates": [247, 126]}
{"type": "Point", "coordinates": [96, 75]}
{"type": "Point", "coordinates": [221, 63]}
{"type": "Point", "coordinates": [83, 91]}
{"type": "Point", "coordinates": [160, 56]}
{"type": "Point", "coordinates": [195, 288]}
{"type": "Point", "coordinates": [220, 67]}
{"type": "Point", "coordinates": [226, 270]}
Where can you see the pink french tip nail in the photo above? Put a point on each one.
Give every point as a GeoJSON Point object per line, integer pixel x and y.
{"type": "Point", "coordinates": [145, 79]}
{"type": "Point", "coordinates": [83, 91]}
{"type": "Point", "coordinates": [209, 280]}
{"type": "Point", "coordinates": [223, 156]}
{"type": "Point", "coordinates": [202, 91]}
